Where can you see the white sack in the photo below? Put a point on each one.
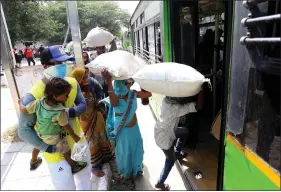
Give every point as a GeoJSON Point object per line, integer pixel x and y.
{"type": "Point", "coordinates": [170, 79]}
{"type": "Point", "coordinates": [98, 37]}
{"type": "Point", "coordinates": [120, 64]}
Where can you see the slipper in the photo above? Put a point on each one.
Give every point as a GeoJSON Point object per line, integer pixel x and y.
{"type": "Point", "coordinates": [130, 183]}
{"type": "Point", "coordinates": [118, 180]}
{"type": "Point", "coordinates": [36, 164]}
{"type": "Point", "coordinates": [163, 187]}
{"type": "Point", "coordinates": [79, 167]}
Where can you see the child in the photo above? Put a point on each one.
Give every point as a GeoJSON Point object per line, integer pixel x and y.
{"type": "Point", "coordinates": [52, 116]}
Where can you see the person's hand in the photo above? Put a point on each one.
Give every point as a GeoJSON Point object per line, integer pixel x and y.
{"type": "Point", "coordinates": [76, 138]}
{"type": "Point", "coordinates": [106, 75]}
{"type": "Point", "coordinates": [20, 102]}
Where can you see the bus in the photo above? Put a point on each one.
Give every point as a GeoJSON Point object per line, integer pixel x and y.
{"type": "Point", "coordinates": [234, 141]}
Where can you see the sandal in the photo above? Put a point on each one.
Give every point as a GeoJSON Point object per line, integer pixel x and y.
{"type": "Point", "coordinates": [181, 155]}
{"type": "Point", "coordinates": [130, 183]}
{"type": "Point", "coordinates": [140, 173]}
{"type": "Point", "coordinates": [36, 164]}
{"type": "Point", "coordinates": [162, 187]}
{"type": "Point", "coordinates": [79, 167]}
{"type": "Point", "coordinates": [119, 180]}
{"type": "Point", "coordinates": [98, 173]}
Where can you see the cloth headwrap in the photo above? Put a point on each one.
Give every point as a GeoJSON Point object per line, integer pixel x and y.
{"type": "Point", "coordinates": [120, 87]}
{"type": "Point", "coordinates": [78, 74]}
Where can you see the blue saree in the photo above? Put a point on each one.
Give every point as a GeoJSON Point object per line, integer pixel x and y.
{"type": "Point", "coordinates": [128, 140]}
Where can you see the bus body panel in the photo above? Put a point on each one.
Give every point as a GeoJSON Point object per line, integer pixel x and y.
{"type": "Point", "coordinates": [241, 171]}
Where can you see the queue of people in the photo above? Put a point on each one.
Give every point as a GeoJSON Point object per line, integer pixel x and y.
{"type": "Point", "coordinates": [59, 111]}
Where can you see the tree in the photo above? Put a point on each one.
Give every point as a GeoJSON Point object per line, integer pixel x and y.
{"type": "Point", "coordinates": [47, 21]}
{"type": "Point", "coordinates": [101, 14]}
{"type": "Point", "coordinates": [29, 20]}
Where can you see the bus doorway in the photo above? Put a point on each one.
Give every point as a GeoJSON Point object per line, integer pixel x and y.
{"type": "Point", "coordinates": [198, 41]}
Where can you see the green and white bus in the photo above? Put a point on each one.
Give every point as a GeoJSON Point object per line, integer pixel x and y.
{"type": "Point", "coordinates": [235, 143]}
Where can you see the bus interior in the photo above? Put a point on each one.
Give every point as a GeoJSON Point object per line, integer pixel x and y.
{"type": "Point", "coordinates": [198, 41]}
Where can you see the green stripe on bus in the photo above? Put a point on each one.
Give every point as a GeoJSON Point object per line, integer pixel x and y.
{"type": "Point", "coordinates": [167, 31]}
{"type": "Point", "coordinates": [241, 174]}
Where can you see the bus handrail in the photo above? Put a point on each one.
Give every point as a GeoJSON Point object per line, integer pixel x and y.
{"type": "Point", "coordinates": [147, 52]}
{"type": "Point", "coordinates": [250, 21]}
{"type": "Point", "coordinates": [245, 40]}
{"type": "Point", "coordinates": [147, 56]}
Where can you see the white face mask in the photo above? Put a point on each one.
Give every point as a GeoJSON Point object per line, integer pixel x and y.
{"type": "Point", "coordinates": [60, 71]}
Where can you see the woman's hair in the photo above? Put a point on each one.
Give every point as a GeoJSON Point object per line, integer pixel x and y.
{"type": "Point", "coordinates": [55, 87]}
{"type": "Point", "coordinates": [88, 58]}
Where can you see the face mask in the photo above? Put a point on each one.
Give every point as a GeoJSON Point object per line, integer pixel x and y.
{"type": "Point", "coordinates": [56, 71]}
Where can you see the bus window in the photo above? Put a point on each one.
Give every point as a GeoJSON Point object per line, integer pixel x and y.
{"type": "Point", "coordinates": [184, 34]}
{"type": "Point", "coordinates": [151, 42]}
{"type": "Point", "coordinates": [261, 132]}
{"type": "Point", "coordinates": [273, 30]}
{"type": "Point", "coordinates": [145, 43]}
{"type": "Point", "coordinates": [142, 18]}
{"type": "Point", "coordinates": [158, 39]}
{"type": "Point", "coordinates": [141, 41]}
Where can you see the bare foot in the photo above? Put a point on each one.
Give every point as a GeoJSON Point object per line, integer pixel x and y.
{"type": "Point", "coordinates": [98, 173]}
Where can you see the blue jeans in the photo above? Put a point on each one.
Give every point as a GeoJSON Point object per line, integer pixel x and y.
{"type": "Point", "coordinates": [181, 134]}
{"type": "Point", "coordinates": [27, 133]}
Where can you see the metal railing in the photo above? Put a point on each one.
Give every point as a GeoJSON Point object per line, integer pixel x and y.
{"type": "Point", "coordinates": [8, 59]}
{"type": "Point", "coordinates": [148, 57]}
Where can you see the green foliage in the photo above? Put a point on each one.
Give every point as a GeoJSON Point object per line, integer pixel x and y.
{"type": "Point", "coordinates": [126, 41]}
{"type": "Point", "coordinates": [47, 20]}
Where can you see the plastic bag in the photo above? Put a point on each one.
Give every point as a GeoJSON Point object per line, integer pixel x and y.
{"type": "Point", "coordinates": [79, 151]}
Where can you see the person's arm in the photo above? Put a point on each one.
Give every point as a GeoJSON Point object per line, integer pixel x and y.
{"type": "Point", "coordinates": [143, 94]}
{"type": "Point", "coordinates": [70, 131]}
{"type": "Point", "coordinates": [28, 98]}
{"type": "Point", "coordinates": [30, 108]}
{"type": "Point", "coordinates": [112, 97]}
{"type": "Point", "coordinates": [62, 120]}
{"type": "Point", "coordinates": [98, 89]}
{"type": "Point", "coordinates": [80, 105]}
{"type": "Point", "coordinates": [22, 107]}
{"type": "Point", "coordinates": [200, 101]}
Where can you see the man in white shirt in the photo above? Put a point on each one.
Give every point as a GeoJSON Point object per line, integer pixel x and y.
{"type": "Point", "coordinates": [166, 130]}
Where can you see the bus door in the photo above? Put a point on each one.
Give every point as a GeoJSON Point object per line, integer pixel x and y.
{"type": "Point", "coordinates": [191, 20]}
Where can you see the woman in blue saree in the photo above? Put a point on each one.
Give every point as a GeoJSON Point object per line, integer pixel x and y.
{"type": "Point", "coordinates": [123, 128]}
